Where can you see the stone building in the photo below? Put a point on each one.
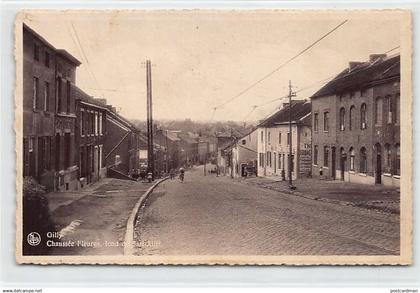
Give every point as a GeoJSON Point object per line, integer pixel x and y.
{"type": "Point", "coordinates": [356, 123]}
{"type": "Point", "coordinates": [274, 140]}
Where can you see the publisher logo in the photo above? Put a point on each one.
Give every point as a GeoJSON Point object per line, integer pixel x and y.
{"type": "Point", "coordinates": [33, 239]}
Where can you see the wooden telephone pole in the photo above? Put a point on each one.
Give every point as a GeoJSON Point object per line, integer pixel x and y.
{"type": "Point", "coordinates": [291, 94]}
{"type": "Point", "coordinates": [150, 154]}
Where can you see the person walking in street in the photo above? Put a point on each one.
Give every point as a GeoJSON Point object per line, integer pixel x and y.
{"type": "Point", "coordinates": [181, 174]}
{"type": "Point", "coordinates": [172, 173]}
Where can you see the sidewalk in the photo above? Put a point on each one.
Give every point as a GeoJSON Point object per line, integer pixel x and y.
{"type": "Point", "coordinates": [94, 218]}
{"type": "Point", "coordinates": [375, 197]}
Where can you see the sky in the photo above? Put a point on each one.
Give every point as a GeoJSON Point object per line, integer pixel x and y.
{"type": "Point", "coordinates": [201, 59]}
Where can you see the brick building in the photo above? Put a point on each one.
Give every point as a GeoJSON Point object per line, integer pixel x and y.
{"type": "Point", "coordinates": [49, 117]}
{"type": "Point", "coordinates": [356, 123]}
{"type": "Point", "coordinates": [90, 137]}
{"type": "Point", "coordinates": [274, 140]}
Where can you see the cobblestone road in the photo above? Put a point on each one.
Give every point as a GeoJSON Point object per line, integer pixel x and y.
{"type": "Point", "coordinates": [213, 215]}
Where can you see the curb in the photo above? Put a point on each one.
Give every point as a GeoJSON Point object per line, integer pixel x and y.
{"type": "Point", "coordinates": [129, 230]}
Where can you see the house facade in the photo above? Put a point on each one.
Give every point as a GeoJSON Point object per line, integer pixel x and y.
{"type": "Point", "coordinates": [274, 142]}
{"type": "Point", "coordinates": [38, 103]}
{"type": "Point", "coordinates": [90, 133]}
{"type": "Point", "coordinates": [244, 155]}
{"type": "Point", "coordinates": [49, 117]}
{"type": "Point", "coordinates": [356, 123]}
{"type": "Point", "coordinates": [121, 146]}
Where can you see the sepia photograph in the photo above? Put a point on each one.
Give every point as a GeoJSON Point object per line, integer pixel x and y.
{"type": "Point", "coordinates": [230, 137]}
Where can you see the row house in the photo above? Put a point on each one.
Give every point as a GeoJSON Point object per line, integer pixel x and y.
{"type": "Point", "coordinates": [172, 145]}
{"type": "Point", "coordinates": [121, 146]}
{"type": "Point", "coordinates": [274, 142]}
{"type": "Point", "coordinates": [356, 123]}
{"type": "Point", "coordinates": [224, 152]}
{"type": "Point", "coordinates": [91, 136]}
{"type": "Point", "coordinates": [49, 117]}
{"type": "Point", "coordinates": [206, 149]}
{"type": "Point", "coordinates": [189, 148]}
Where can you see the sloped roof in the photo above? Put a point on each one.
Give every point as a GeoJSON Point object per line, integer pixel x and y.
{"type": "Point", "coordinates": [298, 110]}
{"type": "Point", "coordinates": [362, 76]}
{"type": "Point", "coordinates": [171, 135]}
{"type": "Point", "coordinates": [81, 95]}
{"type": "Point", "coordinates": [187, 138]}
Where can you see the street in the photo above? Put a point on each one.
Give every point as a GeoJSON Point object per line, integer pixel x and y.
{"type": "Point", "coordinates": [209, 215]}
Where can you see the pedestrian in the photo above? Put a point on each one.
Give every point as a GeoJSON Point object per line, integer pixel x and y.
{"type": "Point", "coordinates": [172, 173]}
{"type": "Point", "coordinates": [181, 174]}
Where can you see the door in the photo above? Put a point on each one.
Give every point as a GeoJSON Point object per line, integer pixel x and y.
{"type": "Point", "coordinates": [333, 163]}
{"type": "Point", "coordinates": [342, 163]}
{"type": "Point", "coordinates": [275, 162]}
{"type": "Point", "coordinates": [378, 171]}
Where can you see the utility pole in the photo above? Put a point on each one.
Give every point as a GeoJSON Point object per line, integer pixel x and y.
{"type": "Point", "coordinates": [291, 94]}
{"type": "Point", "coordinates": [150, 155]}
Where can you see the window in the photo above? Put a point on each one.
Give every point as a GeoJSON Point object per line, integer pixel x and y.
{"type": "Point", "coordinates": [352, 157]}
{"type": "Point", "coordinates": [279, 137]}
{"type": "Point", "coordinates": [387, 158]}
{"type": "Point", "coordinates": [68, 96]}
{"type": "Point", "coordinates": [47, 59]}
{"type": "Point", "coordinates": [46, 95]}
{"type": "Point", "coordinates": [268, 163]}
{"type": "Point", "coordinates": [261, 160]}
{"type": "Point", "coordinates": [378, 111]}
{"type": "Point", "coordinates": [82, 122]}
{"type": "Point", "coordinates": [352, 94]}
{"type": "Point", "coordinates": [397, 160]}
{"type": "Point", "coordinates": [67, 145]}
{"type": "Point", "coordinates": [269, 137]}
{"type": "Point", "coordinates": [342, 118]}
{"type": "Point", "coordinates": [288, 138]}
{"type": "Point", "coordinates": [397, 109]}
{"type": "Point", "coordinates": [326, 155]}
{"type": "Point", "coordinates": [243, 141]}
{"type": "Point", "coordinates": [59, 93]}
{"type": "Point", "coordinates": [315, 155]}
{"type": "Point", "coordinates": [351, 117]}
{"type": "Point", "coordinates": [363, 93]}
{"type": "Point", "coordinates": [316, 122]}
{"type": "Point", "coordinates": [279, 164]}
{"type": "Point", "coordinates": [36, 52]}
{"type": "Point", "coordinates": [363, 118]}
{"type": "Point", "coordinates": [390, 109]}
{"type": "Point", "coordinates": [57, 151]}
{"type": "Point", "coordinates": [326, 121]}
{"type": "Point", "coordinates": [262, 136]}
{"type": "Point", "coordinates": [96, 123]}
{"type": "Point", "coordinates": [363, 160]}
{"type": "Point", "coordinates": [35, 88]}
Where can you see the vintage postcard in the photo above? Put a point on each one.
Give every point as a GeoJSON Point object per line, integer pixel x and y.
{"type": "Point", "coordinates": [237, 137]}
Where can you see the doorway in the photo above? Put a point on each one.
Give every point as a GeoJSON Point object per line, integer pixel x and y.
{"type": "Point", "coordinates": [378, 171]}
{"type": "Point", "coordinates": [333, 163]}
{"type": "Point", "coordinates": [343, 158]}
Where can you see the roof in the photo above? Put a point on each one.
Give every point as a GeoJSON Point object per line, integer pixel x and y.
{"type": "Point", "coordinates": [60, 52]}
{"type": "Point", "coordinates": [362, 76]}
{"type": "Point", "coordinates": [84, 97]}
{"type": "Point", "coordinates": [171, 135]}
{"type": "Point", "coordinates": [187, 138]}
{"type": "Point", "coordinates": [299, 110]}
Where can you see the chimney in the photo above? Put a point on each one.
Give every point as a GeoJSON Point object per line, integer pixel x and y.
{"type": "Point", "coordinates": [376, 57]}
{"type": "Point", "coordinates": [102, 101]}
{"type": "Point", "coordinates": [354, 64]}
